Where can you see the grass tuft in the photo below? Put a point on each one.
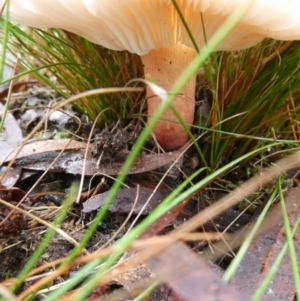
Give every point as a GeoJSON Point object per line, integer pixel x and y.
{"type": "Point", "coordinates": [70, 64]}
{"type": "Point", "coordinates": [255, 98]}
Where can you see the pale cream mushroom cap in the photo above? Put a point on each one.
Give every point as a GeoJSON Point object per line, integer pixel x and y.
{"type": "Point", "coordinates": [141, 25]}
{"type": "Point", "coordinates": [153, 29]}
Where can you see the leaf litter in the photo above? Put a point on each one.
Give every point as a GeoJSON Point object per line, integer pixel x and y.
{"type": "Point", "coordinates": [96, 159]}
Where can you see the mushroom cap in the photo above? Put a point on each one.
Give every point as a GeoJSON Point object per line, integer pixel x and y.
{"type": "Point", "coordinates": [141, 25]}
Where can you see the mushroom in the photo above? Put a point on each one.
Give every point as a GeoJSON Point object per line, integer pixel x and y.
{"type": "Point", "coordinates": [154, 30]}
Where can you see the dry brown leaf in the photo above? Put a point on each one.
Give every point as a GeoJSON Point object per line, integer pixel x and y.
{"type": "Point", "coordinates": [125, 199]}
{"type": "Point", "coordinates": [190, 277]}
{"type": "Point", "coordinates": [74, 162]}
{"type": "Point", "coordinates": [39, 147]}
{"type": "Point", "coordinates": [264, 250]}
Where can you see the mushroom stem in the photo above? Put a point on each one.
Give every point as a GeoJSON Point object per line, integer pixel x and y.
{"type": "Point", "coordinates": [165, 65]}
